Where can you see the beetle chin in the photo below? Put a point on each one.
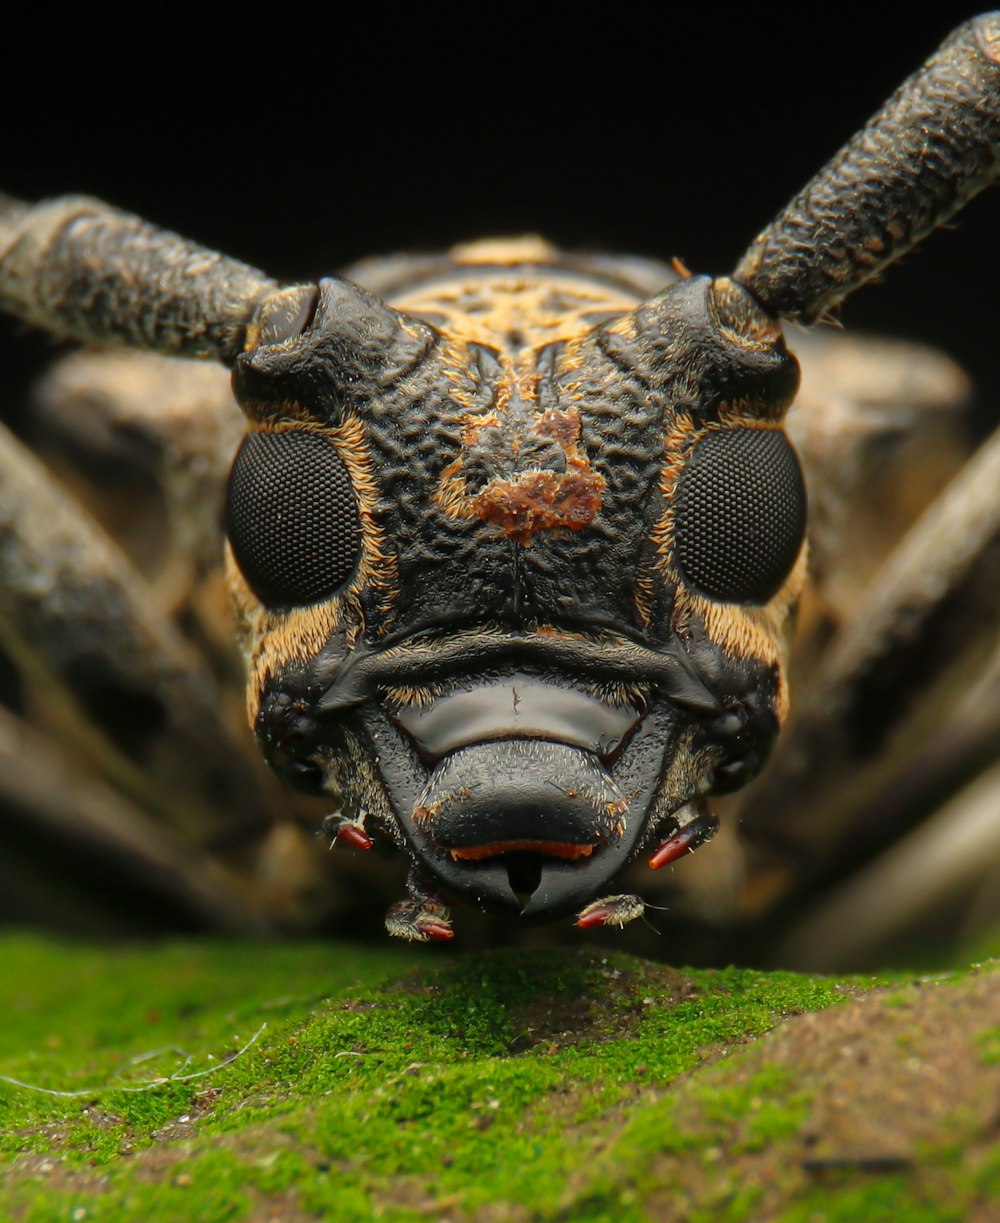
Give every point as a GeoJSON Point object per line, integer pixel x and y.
{"type": "Point", "coordinates": [518, 815]}
{"type": "Point", "coordinates": [517, 787]}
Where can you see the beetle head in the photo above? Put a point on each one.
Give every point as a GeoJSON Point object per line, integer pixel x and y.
{"type": "Point", "coordinates": [512, 560]}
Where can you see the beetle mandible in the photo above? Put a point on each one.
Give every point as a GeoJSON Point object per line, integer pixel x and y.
{"type": "Point", "coordinates": [513, 544]}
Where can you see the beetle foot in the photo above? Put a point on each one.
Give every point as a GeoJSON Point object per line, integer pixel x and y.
{"type": "Point", "coordinates": [340, 828]}
{"type": "Point", "coordinates": [611, 911]}
{"type": "Point", "coordinates": [421, 921]}
{"type": "Point", "coordinates": [702, 828]}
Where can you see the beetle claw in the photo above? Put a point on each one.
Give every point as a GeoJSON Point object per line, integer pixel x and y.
{"type": "Point", "coordinates": [611, 911]}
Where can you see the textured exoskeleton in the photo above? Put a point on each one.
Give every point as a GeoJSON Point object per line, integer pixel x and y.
{"type": "Point", "coordinates": [515, 537]}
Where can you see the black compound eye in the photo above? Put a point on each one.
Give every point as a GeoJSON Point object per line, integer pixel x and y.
{"type": "Point", "coordinates": [740, 514]}
{"type": "Point", "coordinates": [292, 517]}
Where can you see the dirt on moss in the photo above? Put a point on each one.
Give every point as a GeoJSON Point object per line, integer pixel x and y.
{"type": "Point", "coordinates": [818, 1117]}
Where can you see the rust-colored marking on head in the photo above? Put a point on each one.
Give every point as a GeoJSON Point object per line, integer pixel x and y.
{"type": "Point", "coordinates": [540, 501]}
{"type": "Point", "coordinates": [510, 472]}
{"type": "Point", "coordinates": [562, 425]}
{"type": "Point", "coordinates": [536, 498]}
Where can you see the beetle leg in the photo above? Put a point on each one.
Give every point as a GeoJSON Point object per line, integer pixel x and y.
{"type": "Point", "coordinates": [77, 854]}
{"type": "Point", "coordinates": [880, 427]}
{"type": "Point", "coordinates": [863, 756]}
{"type": "Point", "coordinates": [147, 443]}
{"type": "Point", "coordinates": [423, 917]}
{"type": "Point", "coordinates": [948, 864]}
{"type": "Point", "coordinates": [75, 619]}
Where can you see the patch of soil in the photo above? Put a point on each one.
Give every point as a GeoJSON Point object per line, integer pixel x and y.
{"type": "Point", "coordinates": [893, 1084]}
{"type": "Point", "coordinates": [557, 1020]}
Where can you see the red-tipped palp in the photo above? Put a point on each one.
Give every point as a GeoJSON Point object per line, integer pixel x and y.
{"type": "Point", "coordinates": [439, 931]}
{"type": "Point", "coordinates": [611, 911]}
{"type": "Point", "coordinates": [670, 851]}
{"type": "Point", "coordinates": [700, 830]}
{"type": "Point", "coordinates": [354, 835]}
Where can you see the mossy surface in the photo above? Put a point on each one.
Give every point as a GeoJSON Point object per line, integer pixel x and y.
{"type": "Point", "coordinates": [515, 1085]}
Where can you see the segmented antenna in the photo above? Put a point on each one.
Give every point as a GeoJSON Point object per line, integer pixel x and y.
{"type": "Point", "coordinates": [921, 158]}
{"type": "Point", "coordinates": [78, 268]}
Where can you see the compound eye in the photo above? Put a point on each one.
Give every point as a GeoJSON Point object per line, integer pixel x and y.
{"type": "Point", "coordinates": [740, 514]}
{"type": "Point", "coordinates": [292, 517]}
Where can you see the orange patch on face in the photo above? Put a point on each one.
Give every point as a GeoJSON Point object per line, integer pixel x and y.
{"type": "Point", "coordinates": [539, 501]}
{"type": "Point", "coordinates": [562, 425]}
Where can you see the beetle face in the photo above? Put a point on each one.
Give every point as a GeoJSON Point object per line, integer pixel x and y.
{"type": "Point", "coordinates": [513, 559]}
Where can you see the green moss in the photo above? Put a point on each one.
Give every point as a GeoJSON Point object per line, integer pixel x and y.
{"type": "Point", "coordinates": [984, 1177]}
{"type": "Point", "coordinates": [989, 1045]}
{"type": "Point", "coordinates": [585, 1084]}
{"type": "Point", "coordinates": [888, 1199]}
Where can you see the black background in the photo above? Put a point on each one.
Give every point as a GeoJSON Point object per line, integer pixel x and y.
{"type": "Point", "coordinates": [301, 144]}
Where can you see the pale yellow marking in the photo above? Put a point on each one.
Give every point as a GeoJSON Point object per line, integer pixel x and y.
{"type": "Point", "coordinates": [514, 313]}
{"type": "Point", "coordinates": [528, 248]}
{"type": "Point", "coordinates": [759, 634]}
{"type": "Point", "coordinates": [270, 640]}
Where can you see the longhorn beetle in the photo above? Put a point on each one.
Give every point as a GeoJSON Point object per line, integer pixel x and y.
{"type": "Point", "coordinates": [513, 540]}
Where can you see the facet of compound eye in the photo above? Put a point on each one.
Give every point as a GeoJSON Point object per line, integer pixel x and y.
{"type": "Point", "coordinates": [740, 514]}
{"type": "Point", "coordinates": [292, 517]}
